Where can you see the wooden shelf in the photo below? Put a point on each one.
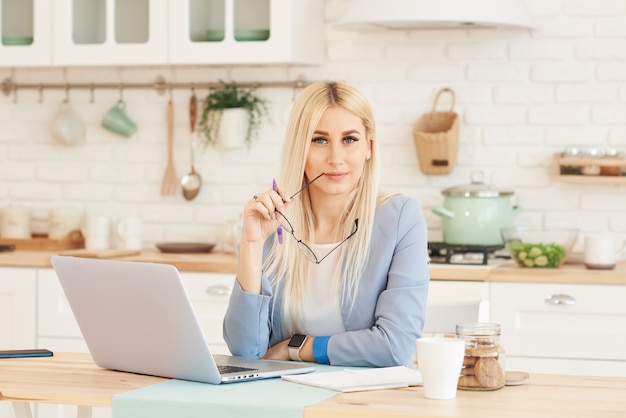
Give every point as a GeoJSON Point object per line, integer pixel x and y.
{"type": "Point", "coordinates": [560, 161]}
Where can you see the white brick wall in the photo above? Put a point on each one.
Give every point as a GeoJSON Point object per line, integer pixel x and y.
{"type": "Point", "coordinates": [521, 95]}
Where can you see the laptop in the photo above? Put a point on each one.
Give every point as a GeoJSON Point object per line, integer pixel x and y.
{"type": "Point", "coordinates": [136, 317]}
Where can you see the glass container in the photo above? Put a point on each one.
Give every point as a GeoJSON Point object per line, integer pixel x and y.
{"type": "Point", "coordinates": [484, 361]}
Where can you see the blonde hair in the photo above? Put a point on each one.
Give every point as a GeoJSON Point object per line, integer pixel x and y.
{"type": "Point", "coordinates": [285, 265]}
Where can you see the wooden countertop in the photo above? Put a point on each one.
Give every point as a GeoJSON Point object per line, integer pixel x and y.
{"type": "Point", "coordinates": [72, 378]}
{"type": "Point", "coordinates": [227, 263]}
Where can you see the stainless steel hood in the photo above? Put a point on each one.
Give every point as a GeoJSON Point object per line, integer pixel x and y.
{"type": "Point", "coordinates": [436, 14]}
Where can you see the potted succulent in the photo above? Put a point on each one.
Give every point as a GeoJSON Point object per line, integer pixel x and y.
{"type": "Point", "coordinates": [231, 115]}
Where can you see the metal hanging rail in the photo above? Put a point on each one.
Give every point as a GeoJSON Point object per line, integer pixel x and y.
{"type": "Point", "coordinates": [160, 85]}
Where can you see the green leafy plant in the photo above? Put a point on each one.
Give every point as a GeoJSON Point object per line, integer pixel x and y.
{"type": "Point", "coordinates": [231, 96]}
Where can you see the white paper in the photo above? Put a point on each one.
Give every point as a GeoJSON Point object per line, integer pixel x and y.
{"type": "Point", "coordinates": [353, 380]}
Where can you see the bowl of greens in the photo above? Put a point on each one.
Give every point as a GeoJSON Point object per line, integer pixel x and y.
{"type": "Point", "coordinates": [539, 248]}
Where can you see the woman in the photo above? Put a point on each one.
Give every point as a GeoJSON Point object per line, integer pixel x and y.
{"type": "Point", "coordinates": [329, 271]}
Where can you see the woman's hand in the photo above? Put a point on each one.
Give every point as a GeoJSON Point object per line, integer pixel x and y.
{"type": "Point", "coordinates": [278, 352]}
{"type": "Point", "coordinates": [259, 219]}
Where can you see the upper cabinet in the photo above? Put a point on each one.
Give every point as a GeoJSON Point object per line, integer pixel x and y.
{"type": "Point", "coordinates": [161, 32]}
{"type": "Point", "coordinates": [25, 26]}
{"type": "Point", "coordinates": [244, 31]}
{"type": "Point", "coordinates": [102, 32]}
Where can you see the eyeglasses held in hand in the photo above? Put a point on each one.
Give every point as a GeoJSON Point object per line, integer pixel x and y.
{"type": "Point", "coordinates": [305, 249]}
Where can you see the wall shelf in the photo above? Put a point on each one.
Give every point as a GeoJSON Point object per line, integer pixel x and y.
{"type": "Point", "coordinates": [560, 161]}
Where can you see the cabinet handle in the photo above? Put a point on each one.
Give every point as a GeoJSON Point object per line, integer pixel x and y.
{"type": "Point", "coordinates": [560, 299]}
{"type": "Point", "coordinates": [219, 290]}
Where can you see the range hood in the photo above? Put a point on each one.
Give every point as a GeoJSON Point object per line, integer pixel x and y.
{"type": "Point", "coordinates": [436, 14]}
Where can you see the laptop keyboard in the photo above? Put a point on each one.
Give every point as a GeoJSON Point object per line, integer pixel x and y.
{"type": "Point", "coordinates": [225, 369]}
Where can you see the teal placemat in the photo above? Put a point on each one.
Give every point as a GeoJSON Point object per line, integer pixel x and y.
{"type": "Point", "coordinates": [271, 398]}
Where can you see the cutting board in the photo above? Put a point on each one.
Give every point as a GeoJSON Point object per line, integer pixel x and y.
{"type": "Point", "coordinates": [108, 253]}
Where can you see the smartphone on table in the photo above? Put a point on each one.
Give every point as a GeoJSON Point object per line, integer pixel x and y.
{"type": "Point", "coordinates": [33, 352]}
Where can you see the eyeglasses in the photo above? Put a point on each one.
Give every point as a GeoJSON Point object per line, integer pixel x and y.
{"type": "Point", "coordinates": [305, 249]}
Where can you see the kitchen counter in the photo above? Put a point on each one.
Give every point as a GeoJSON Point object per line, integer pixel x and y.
{"type": "Point", "coordinates": [227, 263]}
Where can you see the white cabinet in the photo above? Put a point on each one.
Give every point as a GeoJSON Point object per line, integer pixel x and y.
{"type": "Point", "coordinates": [160, 32]}
{"type": "Point", "coordinates": [451, 302]}
{"type": "Point", "coordinates": [25, 26]}
{"type": "Point", "coordinates": [562, 328]}
{"type": "Point", "coordinates": [17, 314]}
{"type": "Point", "coordinates": [209, 294]}
{"type": "Point", "coordinates": [109, 32]}
{"type": "Point", "coordinates": [246, 31]}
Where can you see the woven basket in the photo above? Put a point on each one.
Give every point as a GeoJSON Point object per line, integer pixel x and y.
{"type": "Point", "coordinates": [436, 137]}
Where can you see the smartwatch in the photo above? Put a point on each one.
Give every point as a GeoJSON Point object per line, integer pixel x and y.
{"type": "Point", "coordinates": [295, 345]}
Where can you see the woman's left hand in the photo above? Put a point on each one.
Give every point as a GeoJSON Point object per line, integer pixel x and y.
{"type": "Point", "coordinates": [278, 352]}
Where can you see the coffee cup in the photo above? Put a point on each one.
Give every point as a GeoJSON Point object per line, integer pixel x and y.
{"type": "Point", "coordinates": [602, 251]}
{"type": "Point", "coordinates": [117, 121]}
{"type": "Point", "coordinates": [97, 232]}
{"type": "Point", "coordinates": [129, 233]}
{"type": "Point", "coordinates": [67, 126]}
{"type": "Point", "coordinates": [440, 360]}
{"type": "Point", "coordinates": [62, 221]}
{"type": "Point", "coordinates": [15, 222]}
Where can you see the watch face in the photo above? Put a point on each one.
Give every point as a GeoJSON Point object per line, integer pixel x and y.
{"type": "Point", "coordinates": [297, 340]}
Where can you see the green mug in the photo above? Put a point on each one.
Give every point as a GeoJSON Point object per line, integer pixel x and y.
{"type": "Point", "coordinates": [117, 121]}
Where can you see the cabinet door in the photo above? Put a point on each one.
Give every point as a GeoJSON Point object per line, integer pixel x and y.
{"type": "Point", "coordinates": [452, 302]}
{"type": "Point", "coordinates": [562, 322]}
{"type": "Point", "coordinates": [209, 294]}
{"type": "Point", "coordinates": [17, 307]}
{"type": "Point", "coordinates": [109, 32]}
{"type": "Point", "coordinates": [25, 26]}
{"type": "Point", "coordinates": [54, 317]}
{"type": "Point", "coordinates": [246, 31]}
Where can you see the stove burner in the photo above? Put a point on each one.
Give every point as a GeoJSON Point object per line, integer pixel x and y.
{"type": "Point", "coordinates": [443, 253]}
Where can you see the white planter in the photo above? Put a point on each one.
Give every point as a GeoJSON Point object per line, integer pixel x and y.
{"type": "Point", "coordinates": [233, 128]}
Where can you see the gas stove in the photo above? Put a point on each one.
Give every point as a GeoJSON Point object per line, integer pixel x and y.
{"type": "Point", "coordinates": [442, 253]}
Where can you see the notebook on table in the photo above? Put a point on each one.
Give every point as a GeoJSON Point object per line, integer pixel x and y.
{"type": "Point", "coordinates": [136, 317]}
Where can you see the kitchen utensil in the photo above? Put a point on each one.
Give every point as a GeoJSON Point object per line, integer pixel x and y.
{"type": "Point", "coordinates": [170, 179]}
{"type": "Point", "coordinates": [185, 247]}
{"type": "Point", "coordinates": [536, 247]}
{"type": "Point", "coordinates": [475, 214]}
{"type": "Point", "coordinates": [191, 182]}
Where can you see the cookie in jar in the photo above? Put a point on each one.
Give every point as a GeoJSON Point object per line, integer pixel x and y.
{"type": "Point", "coordinates": [483, 364]}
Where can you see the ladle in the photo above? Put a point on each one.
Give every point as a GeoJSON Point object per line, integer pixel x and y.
{"type": "Point", "coordinates": [191, 182]}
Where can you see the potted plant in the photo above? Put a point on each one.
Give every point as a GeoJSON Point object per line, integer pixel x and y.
{"type": "Point", "coordinates": [232, 115]}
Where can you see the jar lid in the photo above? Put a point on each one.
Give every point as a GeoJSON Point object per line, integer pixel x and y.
{"type": "Point", "coordinates": [477, 188]}
{"type": "Point", "coordinates": [478, 329]}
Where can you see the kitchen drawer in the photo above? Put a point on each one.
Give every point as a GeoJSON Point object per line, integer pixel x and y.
{"type": "Point", "coordinates": [561, 321]}
{"type": "Point", "coordinates": [209, 294]}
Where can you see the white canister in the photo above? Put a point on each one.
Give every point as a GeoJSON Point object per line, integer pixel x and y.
{"type": "Point", "coordinates": [97, 232]}
{"type": "Point", "coordinates": [62, 221]}
{"type": "Point", "coordinates": [602, 251]}
{"type": "Point", "coordinates": [15, 222]}
{"type": "Point", "coordinates": [129, 232]}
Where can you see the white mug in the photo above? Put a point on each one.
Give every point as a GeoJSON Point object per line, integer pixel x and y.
{"type": "Point", "coordinates": [440, 360]}
{"type": "Point", "coordinates": [129, 233]}
{"type": "Point", "coordinates": [97, 233]}
{"type": "Point", "coordinates": [602, 251]}
{"type": "Point", "coordinates": [15, 222]}
{"type": "Point", "coordinates": [62, 221]}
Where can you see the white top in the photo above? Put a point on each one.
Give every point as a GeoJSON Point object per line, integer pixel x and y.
{"type": "Point", "coordinates": [321, 309]}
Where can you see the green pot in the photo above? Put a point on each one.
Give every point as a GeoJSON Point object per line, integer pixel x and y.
{"type": "Point", "coordinates": [475, 214]}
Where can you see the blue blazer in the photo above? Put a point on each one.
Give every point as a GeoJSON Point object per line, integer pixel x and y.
{"type": "Point", "coordinates": [388, 314]}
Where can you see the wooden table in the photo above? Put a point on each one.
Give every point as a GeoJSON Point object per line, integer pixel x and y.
{"type": "Point", "coordinates": [71, 378]}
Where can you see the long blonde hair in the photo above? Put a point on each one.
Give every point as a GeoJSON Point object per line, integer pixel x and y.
{"type": "Point", "coordinates": [285, 264]}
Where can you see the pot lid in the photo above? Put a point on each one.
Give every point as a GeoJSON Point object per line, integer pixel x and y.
{"type": "Point", "coordinates": [477, 188]}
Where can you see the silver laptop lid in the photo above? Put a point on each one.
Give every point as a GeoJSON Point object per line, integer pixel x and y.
{"type": "Point", "coordinates": [136, 318]}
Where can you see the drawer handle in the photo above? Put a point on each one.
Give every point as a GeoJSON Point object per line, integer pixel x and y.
{"type": "Point", "coordinates": [560, 299]}
{"type": "Point", "coordinates": [219, 290]}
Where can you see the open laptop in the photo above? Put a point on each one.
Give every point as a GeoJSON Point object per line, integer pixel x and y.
{"type": "Point", "coordinates": [136, 317]}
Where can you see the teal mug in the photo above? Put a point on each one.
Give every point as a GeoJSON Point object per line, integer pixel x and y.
{"type": "Point", "coordinates": [117, 121]}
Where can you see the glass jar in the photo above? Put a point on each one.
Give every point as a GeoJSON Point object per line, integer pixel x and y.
{"type": "Point", "coordinates": [483, 364]}
{"type": "Point", "coordinates": [572, 152]}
